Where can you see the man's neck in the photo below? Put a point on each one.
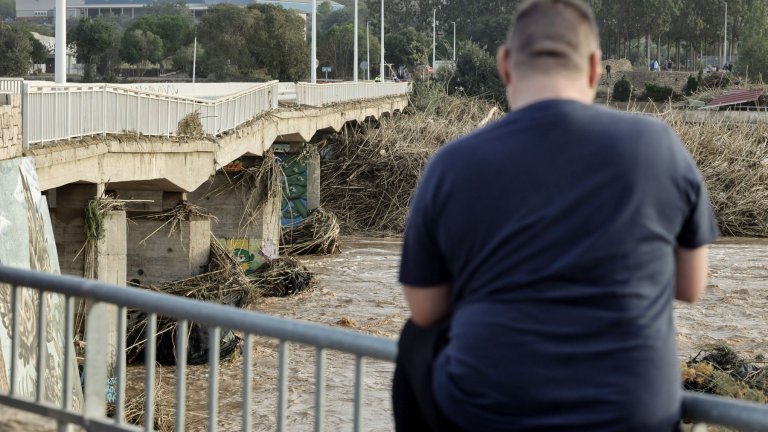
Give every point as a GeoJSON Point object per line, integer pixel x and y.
{"type": "Point", "coordinates": [537, 89]}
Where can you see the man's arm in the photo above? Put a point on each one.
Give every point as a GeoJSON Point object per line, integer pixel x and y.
{"type": "Point", "coordinates": [428, 305]}
{"type": "Point", "coordinates": [691, 274]}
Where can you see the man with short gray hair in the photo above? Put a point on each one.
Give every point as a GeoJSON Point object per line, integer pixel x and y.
{"type": "Point", "coordinates": [543, 253]}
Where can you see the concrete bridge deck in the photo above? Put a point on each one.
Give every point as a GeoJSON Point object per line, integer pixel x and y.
{"type": "Point", "coordinates": [133, 161]}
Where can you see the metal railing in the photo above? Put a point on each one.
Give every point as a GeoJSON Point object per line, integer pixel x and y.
{"type": "Point", "coordinates": [214, 317]}
{"type": "Point", "coordinates": [52, 112]}
{"type": "Point", "coordinates": [325, 94]}
{"type": "Point", "coordinates": [11, 85]}
{"type": "Point", "coordinates": [696, 407]}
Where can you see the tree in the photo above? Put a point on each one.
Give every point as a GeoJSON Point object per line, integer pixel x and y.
{"type": "Point", "coordinates": [476, 73]}
{"type": "Point", "coordinates": [222, 32]}
{"type": "Point", "coordinates": [96, 42]}
{"type": "Point", "coordinates": [753, 57]}
{"type": "Point", "coordinates": [278, 44]}
{"type": "Point", "coordinates": [7, 9]}
{"type": "Point", "coordinates": [15, 51]}
{"type": "Point", "coordinates": [335, 49]}
{"type": "Point", "coordinates": [408, 48]}
{"type": "Point", "coordinates": [139, 47]}
{"type": "Point", "coordinates": [175, 31]}
{"type": "Point", "coordinates": [39, 51]}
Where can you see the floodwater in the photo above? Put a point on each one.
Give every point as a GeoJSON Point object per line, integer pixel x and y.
{"type": "Point", "coordinates": [357, 289]}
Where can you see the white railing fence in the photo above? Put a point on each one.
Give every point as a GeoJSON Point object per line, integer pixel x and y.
{"type": "Point", "coordinates": [54, 112]}
{"type": "Point", "coordinates": [12, 85]}
{"type": "Point", "coordinates": [325, 94]}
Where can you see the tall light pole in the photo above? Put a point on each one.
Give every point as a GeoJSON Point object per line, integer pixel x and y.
{"type": "Point", "coordinates": [367, 51]}
{"type": "Point", "coordinates": [355, 64]}
{"type": "Point", "coordinates": [60, 44]}
{"type": "Point", "coordinates": [382, 72]}
{"type": "Point", "coordinates": [194, 58]}
{"type": "Point", "coordinates": [454, 41]}
{"type": "Point", "coordinates": [725, 37]}
{"type": "Point", "coordinates": [313, 59]}
{"type": "Point", "coordinates": [434, 39]}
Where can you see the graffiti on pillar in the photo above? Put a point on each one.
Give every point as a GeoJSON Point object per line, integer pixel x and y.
{"type": "Point", "coordinates": [252, 253]}
{"type": "Point", "coordinates": [295, 205]}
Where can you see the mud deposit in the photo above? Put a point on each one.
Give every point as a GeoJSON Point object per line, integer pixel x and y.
{"type": "Point", "coordinates": [357, 289]}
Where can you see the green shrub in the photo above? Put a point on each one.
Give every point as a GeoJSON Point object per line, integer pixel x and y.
{"type": "Point", "coordinates": [692, 86]}
{"type": "Point", "coordinates": [657, 93]}
{"type": "Point", "coordinates": [622, 90]}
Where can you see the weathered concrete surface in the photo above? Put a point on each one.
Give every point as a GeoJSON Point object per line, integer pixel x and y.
{"type": "Point", "coordinates": [247, 219]}
{"type": "Point", "coordinates": [112, 250]}
{"type": "Point", "coordinates": [10, 126]}
{"type": "Point", "coordinates": [67, 206]}
{"type": "Point", "coordinates": [174, 164]}
{"type": "Point", "coordinates": [158, 254]}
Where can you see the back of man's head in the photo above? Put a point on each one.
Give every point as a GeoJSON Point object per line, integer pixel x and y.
{"type": "Point", "coordinates": [552, 37]}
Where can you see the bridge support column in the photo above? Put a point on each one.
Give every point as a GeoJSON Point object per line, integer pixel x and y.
{"type": "Point", "coordinates": [246, 209]}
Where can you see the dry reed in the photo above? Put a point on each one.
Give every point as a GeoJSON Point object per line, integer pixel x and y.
{"type": "Point", "coordinates": [733, 159]}
{"type": "Point", "coordinates": [372, 172]}
{"type": "Point", "coordinates": [722, 372]}
{"type": "Point", "coordinates": [282, 277]}
{"type": "Point", "coordinates": [318, 234]}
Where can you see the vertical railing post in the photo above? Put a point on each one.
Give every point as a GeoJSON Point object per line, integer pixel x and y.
{"type": "Point", "coordinates": [104, 111]}
{"type": "Point", "coordinates": [68, 118]}
{"type": "Point", "coordinates": [25, 116]}
{"type": "Point", "coordinates": [95, 361]}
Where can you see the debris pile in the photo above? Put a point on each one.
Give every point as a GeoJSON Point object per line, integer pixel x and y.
{"type": "Point", "coordinates": [723, 372]}
{"type": "Point", "coordinates": [318, 234]}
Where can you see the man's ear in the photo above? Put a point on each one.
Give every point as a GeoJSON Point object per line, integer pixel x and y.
{"type": "Point", "coordinates": [502, 63]}
{"type": "Point", "coordinates": [595, 69]}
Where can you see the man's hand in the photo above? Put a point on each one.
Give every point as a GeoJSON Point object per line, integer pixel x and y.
{"type": "Point", "coordinates": [691, 274]}
{"type": "Point", "coordinates": [428, 305]}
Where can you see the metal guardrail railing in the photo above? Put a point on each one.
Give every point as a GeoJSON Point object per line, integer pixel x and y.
{"type": "Point", "coordinates": [12, 85]}
{"type": "Point", "coordinates": [696, 407]}
{"type": "Point", "coordinates": [214, 317]}
{"type": "Point", "coordinates": [325, 94]}
{"type": "Point", "coordinates": [52, 112]}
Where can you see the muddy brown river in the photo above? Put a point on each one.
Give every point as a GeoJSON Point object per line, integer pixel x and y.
{"type": "Point", "coordinates": [357, 289]}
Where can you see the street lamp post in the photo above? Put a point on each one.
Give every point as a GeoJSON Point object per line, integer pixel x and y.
{"type": "Point", "coordinates": [434, 39]}
{"type": "Point", "coordinates": [382, 72]}
{"type": "Point", "coordinates": [194, 58]}
{"type": "Point", "coordinates": [355, 64]}
{"type": "Point", "coordinates": [60, 44]}
{"type": "Point", "coordinates": [454, 41]}
{"type": "Point", "coordinates": [313, 55]}
{"type": "Point", "coordinates": [725, 37]}
{"type": "Point", "coordinates": [367, 51]}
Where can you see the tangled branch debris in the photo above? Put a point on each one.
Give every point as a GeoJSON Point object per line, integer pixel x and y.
{"type": "Point", "coordinates": [282, 277]}
{"type": "Point", "coordinates": [318, 234]}
{"type": "Point", "coordinates": [733, 159]}
{"type": "Point", "coordinates": [224, 283]}
{"type": "Point", "coordinates": [369, 174]}
{"type": "Point", "coordinates": [722, 372]}
{"type": "Point", "coordinates": [190, 126]}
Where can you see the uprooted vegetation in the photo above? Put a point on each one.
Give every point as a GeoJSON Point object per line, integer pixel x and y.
{"type": "Point", "coordinates": [722, 372]}
{"type": "Point", "coordinates": [369, 174]}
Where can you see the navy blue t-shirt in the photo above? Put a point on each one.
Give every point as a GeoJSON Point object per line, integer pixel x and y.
{"type": "Point", "coordinates": [557, 227]}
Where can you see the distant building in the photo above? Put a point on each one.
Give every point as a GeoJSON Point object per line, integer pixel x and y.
{"type": "Point", "coordinates": [73, 68]}
{"type": "Point", "coordinates": [43, 10]}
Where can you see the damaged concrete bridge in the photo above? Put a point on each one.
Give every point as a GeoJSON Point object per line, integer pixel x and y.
{"type": "Point", "coordinates": [183, 162]}
{"type": "Point", "coordinates": [156, 146]}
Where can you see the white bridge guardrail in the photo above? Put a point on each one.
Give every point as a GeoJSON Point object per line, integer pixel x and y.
{"type": "Point", "coordinates": [696, 407]}
{"type": "Point", "coordinates": [52, 112]}
{"type": "Point", "coordinates": [326, 94]}
{"type": "Point", "coordinates": [11, 85]}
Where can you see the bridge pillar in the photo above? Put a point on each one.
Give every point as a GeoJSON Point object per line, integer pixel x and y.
{"type": "Point", "coordinates": [68, 214]}
{"type": "Point", "coordinates": [164, 248]}
{"type": "Point", "coordinates": [246, 211]}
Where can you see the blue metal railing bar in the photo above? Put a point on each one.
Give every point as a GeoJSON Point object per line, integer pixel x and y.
{"type": "Point", "coordinates": [696, 407]}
